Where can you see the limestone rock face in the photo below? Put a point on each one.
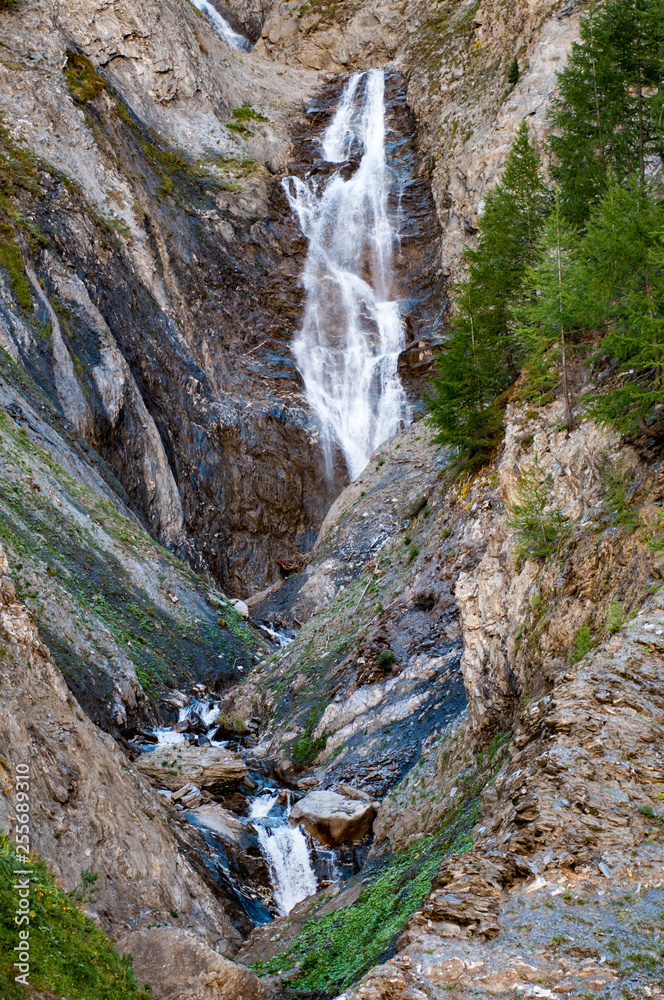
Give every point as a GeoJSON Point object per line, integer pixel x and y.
{"type": "Point", "coordinates": [179, 966]}
{"type": "Point", "coordinates": [173, 767]}
{"type": "Point", "coordinates": [333, 818]}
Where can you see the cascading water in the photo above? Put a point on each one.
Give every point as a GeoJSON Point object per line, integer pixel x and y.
{"type": "Point", "coordinates": [352, 333]}
{"type": "Point", "coordinates": [286, 852]}
{"type": "Point", "coordinates": [222, 26]}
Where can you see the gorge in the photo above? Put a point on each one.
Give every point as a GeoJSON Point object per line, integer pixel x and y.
{"type": "Point", "coordinates": [296, 700]}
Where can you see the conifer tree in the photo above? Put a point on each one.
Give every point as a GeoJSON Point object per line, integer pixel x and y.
{"type": "Point", "coordinates": [480, 359]}
{"type": "Point", "coordinates": [607, 116]}
{"type": "Point", "coordinates": [545, 318]}
{"type": "Point", "coordinates": [619, 290]}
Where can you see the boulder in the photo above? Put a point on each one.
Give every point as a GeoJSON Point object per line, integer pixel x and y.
{"type": "Point", "coordinates": [221, 822]}
{"type": "Point", "coordinates": [241, 608]}
{"type": "Point", "coordinates": [180, 966]}
{"type": "Point", "coordinates": [175, 766]}
{"type": "Point", "coordinates": [332, 818]}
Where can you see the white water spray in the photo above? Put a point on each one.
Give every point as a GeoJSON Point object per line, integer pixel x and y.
{"type": "Point", "coordinates": [286, 852]}
{"type": "Point", "coordinates": [222, 26]}
{"type": "Point", "coordinates": [352, 332]}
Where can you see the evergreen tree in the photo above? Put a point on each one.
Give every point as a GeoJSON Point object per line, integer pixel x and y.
{"type": "Point", "coordinates": [607, 116]}
{"type": "Point", "coordinates": [619, 290]}
{"type": "Point", "coordinates": [480, 359]}
{"type": "Point", "coordinates": [513, 73]}
{"type": "Point", "coordinates": [545, 318]}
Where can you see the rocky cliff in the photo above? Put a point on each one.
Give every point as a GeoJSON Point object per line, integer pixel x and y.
{"type": "Point", "coordinates": [495, 712]}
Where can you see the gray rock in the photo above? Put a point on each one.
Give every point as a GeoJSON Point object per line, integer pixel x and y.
{"type": "Point", "coordinates": [176, 766]}
{"type": "Point", "coordinates": [332, 818]}
{"type": "Point", "coordinates": [180, 966]}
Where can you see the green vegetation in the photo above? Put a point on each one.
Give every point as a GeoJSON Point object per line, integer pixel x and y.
{"type": "Point", "coordinates": [577, 272]}
{"type": "Point", "coordinates": [583, 643]}
{"type": "Point", "coordinates": [9, 5]}
{"type": "Point", "coordinates": [513, 73]}
{"type": "Point", "coordinates": [11, 259]}
{"type": "Point", "coordinates": [334, 951]}
{"type": "Point", "coordinates": [83, 81]}
{"type": "Point", "coordinates": [539, 526]}
{"type": "Point", "coordinates": [307, 747]}
{"type": "Point", "coordinates": [480, 360]}
{"type": "Point", "coordinates": [248, 114]}
{"type": "Point", "coordinates": [69, 955]}
{"type": "Point", "coordinates": [386, 658]}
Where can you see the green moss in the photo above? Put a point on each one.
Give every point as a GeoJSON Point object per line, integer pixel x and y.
{"type": "Point", "coordinates": [83, 81]}
{"type": "Point", "coordinates": [69, 955]}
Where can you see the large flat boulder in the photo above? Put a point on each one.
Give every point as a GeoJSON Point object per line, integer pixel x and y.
{"type": "Point", "coordinates": [180, 966]}
{"type": "Point", "coordinates": [332, 818]}
{"type": "Point", "coordinates": [172, 767]}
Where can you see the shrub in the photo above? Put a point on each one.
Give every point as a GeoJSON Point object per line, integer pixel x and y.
{"type": "Point", "coordinates": [386, 658]}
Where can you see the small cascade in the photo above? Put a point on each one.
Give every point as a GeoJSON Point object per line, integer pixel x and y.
{"type": "Point", "coordinates": [232, 38]}
{"type": "Point", "coordinates": [352, 332]}
{"type": "Point", "coordinates": [206, 711]}
{"type": "Point", "coordinates": [286, 852]}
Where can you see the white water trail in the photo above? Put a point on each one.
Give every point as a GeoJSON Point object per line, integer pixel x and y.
{"type": "Point", "coordinates": [206, 711]}
{"type": "Point", "coordinates": [262, 805]}
{"type": "Point", "coordinates": [287, 854]}
{"type": "Point", "coordinates": [232, 38]}
{"type": "Point", "coordinates": [167, 737]}
{"type": "Point", "coordinates": [352, 332]}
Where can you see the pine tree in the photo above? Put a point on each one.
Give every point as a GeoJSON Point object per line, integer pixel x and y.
{"type": "Point", "coordinates": [619, 290]}
{"type": "Point", "coordinates": [544, 320]}
{"type": "Point", "coordinates": [480, 359]}
{"type": "Point", "coordinates": [513, 73]}
{"type": "Point", "coordinates": [607, 116]}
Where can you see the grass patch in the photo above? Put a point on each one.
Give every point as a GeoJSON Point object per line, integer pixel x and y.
{"type": "Point", "coordinates": [307, 747]}
{"type": "Point", "coordinates": [248, 114]}
{"type": "Point", "coordinates": [69, 955]}
{"type": "Point", "coordinates": [334, 951]}
{"type": "Point", "coordinates": [11, 260]}
{"type": "Point", "coordinates": [83, 82]}
{"type": "Point", "coordinates": [583, 643]}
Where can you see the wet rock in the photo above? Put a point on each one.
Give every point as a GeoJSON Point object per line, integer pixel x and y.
{"type": "Point", "coordinates": [332, 818]}
{"type": "Point", "coordinates": [222, 822]}
{"type": "Point", "coordinates": [179, 966]}
{"type": "Point", "coordinates": [201, 766]}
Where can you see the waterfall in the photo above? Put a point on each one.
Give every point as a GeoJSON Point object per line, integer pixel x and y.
{"type": "Point", "coordinates": [222, 26]}
{"type": "Point", "coordinates": [352, 332]}
{"type": "Point", "coordinates": [286, 852]}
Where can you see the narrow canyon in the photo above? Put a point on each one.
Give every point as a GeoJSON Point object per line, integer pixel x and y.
{"type": "Point", "coordinates": [331, 563]}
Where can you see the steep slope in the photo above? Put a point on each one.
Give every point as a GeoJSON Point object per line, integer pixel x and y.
{"type": "Point", "coordinates": [576, 797]}
{"type": "Point", "coordinates": [90, 810]}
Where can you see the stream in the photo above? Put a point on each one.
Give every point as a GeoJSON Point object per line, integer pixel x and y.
{"type": "Point", "coordinates": [296, 864]}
